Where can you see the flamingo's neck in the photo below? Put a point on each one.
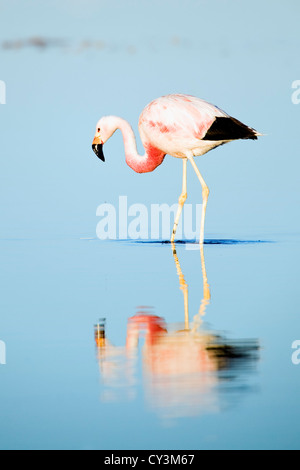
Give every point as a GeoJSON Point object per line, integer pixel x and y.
{"type": "Point", "coordinates": [139, 163]}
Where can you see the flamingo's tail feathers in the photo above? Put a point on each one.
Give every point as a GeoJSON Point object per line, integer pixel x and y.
{"type": "Point", "coordinates": [228, 128]}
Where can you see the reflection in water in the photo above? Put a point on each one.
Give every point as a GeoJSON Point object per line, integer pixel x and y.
{"type": "Point", "coordinates": [186, 368]}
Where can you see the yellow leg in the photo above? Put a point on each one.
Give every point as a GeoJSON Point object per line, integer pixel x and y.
{"type": "Point", "coordinates": [183, 287]}
{"type": "Point", "coordinates": [206, 288]}
{"type": "Point", "coordinates": [205, 194]}
{"type": "Point", "coordinates": [198, 319]}
{"type": "Point", "coordinates": [182, 199]}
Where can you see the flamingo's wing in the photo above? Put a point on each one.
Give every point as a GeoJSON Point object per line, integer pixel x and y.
{"type": "Point", "coordinates": [190, 119]}
{"type": "Point", "coordinates": [224, 129]}
{"type": "Point", "coordinates": [180, 116]}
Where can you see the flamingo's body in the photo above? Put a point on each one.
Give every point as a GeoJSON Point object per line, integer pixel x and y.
{"type": "Point", "coordinates": [182, 126]}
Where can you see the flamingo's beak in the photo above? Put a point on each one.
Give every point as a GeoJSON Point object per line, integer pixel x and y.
{"type": "Point", "coordinates": [98, 148]}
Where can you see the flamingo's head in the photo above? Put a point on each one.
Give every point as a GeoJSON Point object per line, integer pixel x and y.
{"type": "Point", "coordinates": [104, 131]}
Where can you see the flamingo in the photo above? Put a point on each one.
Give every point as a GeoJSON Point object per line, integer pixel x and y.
{"type": "Point", "coordinates": [179, 125]}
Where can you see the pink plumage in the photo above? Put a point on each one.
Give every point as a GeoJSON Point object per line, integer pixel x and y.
{"type": "Point", "coordinates": [176, 124]}
{"type": "Point", "coordinates": [182, 126]}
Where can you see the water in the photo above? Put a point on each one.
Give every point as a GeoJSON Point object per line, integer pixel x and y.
{"type": "Point", "coordinates": [194, 352]}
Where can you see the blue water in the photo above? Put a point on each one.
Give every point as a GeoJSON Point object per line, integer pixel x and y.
{"type": "Point", "coordinates": [151, 377]}
{"type": "Point", "coordinates": [58, 390]}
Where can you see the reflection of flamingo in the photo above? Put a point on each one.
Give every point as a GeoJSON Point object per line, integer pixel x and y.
{"type": "Point", "coordinates": [182, 366]}
{"type": "Point", "coordinates": [184, 287]}
{"type": "Point", "coordinates": [179, 125]}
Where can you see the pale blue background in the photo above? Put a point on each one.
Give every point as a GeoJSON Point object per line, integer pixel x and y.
{"type": "Point", "coordinates": [115, 57]}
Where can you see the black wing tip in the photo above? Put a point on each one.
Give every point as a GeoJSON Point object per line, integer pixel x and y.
{"type": "Point", "coordinates": [228, 128]}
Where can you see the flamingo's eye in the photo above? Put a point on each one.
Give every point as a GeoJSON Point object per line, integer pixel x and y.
{"type": "Point", "coordinates": [99, 129]}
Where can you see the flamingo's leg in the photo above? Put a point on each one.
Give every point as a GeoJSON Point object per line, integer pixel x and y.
{"type": "Point", "coordinates": [198, 319]}
{"type": "Point", "coordinates": [183, 287]}
{"type": "Point", "coordinates": [182, 199]}
{"type": "Point", "coordinates": [205, 194]}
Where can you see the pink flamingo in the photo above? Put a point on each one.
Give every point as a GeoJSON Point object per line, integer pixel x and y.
{"type": "Point", "coordinates": [182, 126]}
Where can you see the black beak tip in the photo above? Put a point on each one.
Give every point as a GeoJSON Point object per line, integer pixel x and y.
{"type": "Point", "coordinates": [98, 150]}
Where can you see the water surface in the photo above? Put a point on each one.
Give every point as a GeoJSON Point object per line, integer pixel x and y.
{"type": "Point", "coordinates": [138, 346]}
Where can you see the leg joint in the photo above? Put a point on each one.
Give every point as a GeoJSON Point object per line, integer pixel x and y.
{"type": "Point", "coordinates": [205, 192]}
{"type": "Point", "coordinates": [182, 198]}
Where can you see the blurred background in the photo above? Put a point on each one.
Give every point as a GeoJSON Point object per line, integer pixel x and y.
{"type": "Point", "coordinates": [65, 64]}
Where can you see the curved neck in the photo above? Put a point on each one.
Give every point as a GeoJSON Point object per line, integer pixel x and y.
{"type": "Point", "coordinates": [139, 163]}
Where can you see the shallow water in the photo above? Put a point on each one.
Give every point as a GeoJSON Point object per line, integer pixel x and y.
{"type": "Point", "coordinates": [103, 353]}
